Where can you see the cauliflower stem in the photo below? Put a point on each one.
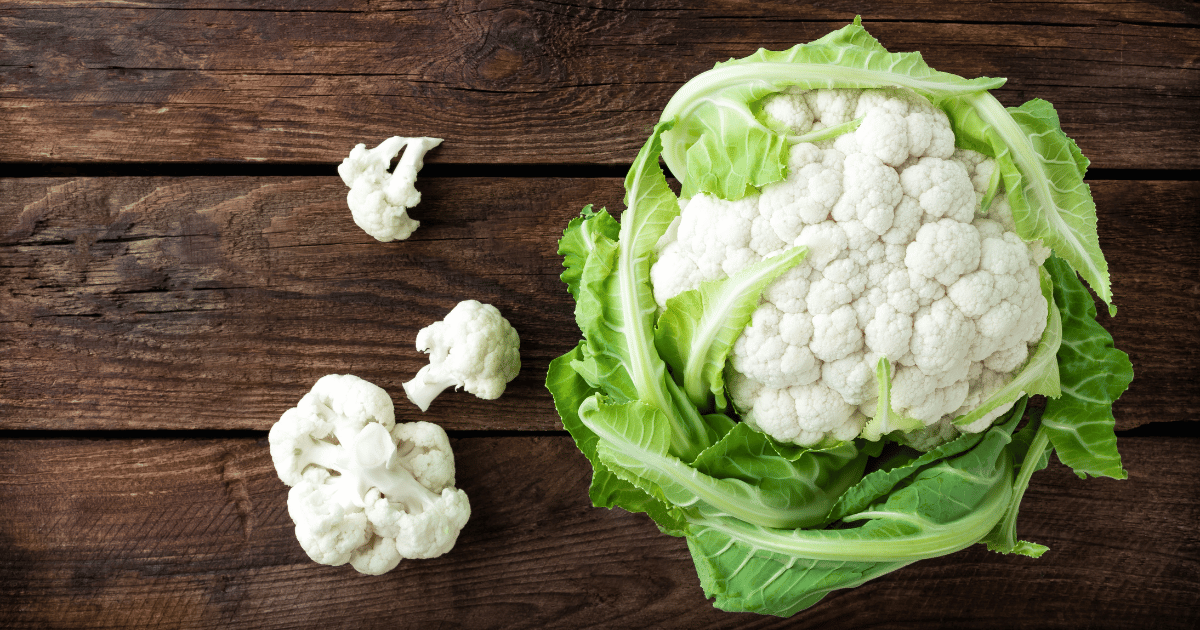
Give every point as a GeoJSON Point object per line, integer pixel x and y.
{"type": "Point", "coordinates": [370, 459]}
{"type": "Point", "coordinates": [814, 363]}
{"type": "Point", "coordinates": [426, 386]}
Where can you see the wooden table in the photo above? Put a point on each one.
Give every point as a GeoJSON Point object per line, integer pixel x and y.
{"type": "Point", "coordinates": [178, 266]}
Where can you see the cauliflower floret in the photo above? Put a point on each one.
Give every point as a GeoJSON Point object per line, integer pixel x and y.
{"type": "Point", "coordinates": [474, 347]}
{"type": "Point", "coordinates": [832, 106]}
{"type": "Point", "coordinates": [773, 349]}
{"type": "Point", "coordinates": [941, 188]}
{"type": "Point", "coordinates": [872, 190]}
{"type": "Point", "coordinates": [901, 264]}
{"type": "Point", "coordinates": [378, 200]}
{"type": "Point", "coordinates": [812, 187]}
{"type": "Point", "coordinates": [366, 490]}
{"type": "Point", "coordinates": [802, 414]}
{"type": "Point", "coordinates": [789, 111]}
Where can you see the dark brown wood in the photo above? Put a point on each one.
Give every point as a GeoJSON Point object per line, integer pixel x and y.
{"type": "Point", "coordinates": [195, 534]}
{"type": "Point", "coordinates": [173, 303]}
{"type": "Point", "coordinates": [137, 299]}
{"type": "Point", "coordinates": [206, 302]}
{"type": "Point", "coordinates": [536, 82]}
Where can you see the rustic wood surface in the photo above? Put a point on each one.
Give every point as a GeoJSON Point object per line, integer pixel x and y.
{"type": "Point", "coordinates": [536, 82]}
{"type": "Point", "coordinates": [177, 266]}
{"type": "Point", "coordinates": [198, 531]}
{"type": "Point", "coordinates": [213, 303]}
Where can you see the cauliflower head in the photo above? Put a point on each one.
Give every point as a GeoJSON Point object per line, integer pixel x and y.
{"type": "Point", "coordinates": [365, 489]}
{"type": "Point", "coordinates": [904, 263]}
{"type": "Point", "coordinates": [379, 200]}
{"type": "Point", "coordinates": [474, 347]}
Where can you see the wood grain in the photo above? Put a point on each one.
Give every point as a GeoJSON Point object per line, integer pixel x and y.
{"type": "Point", "coordinates": [130, 300]}
{"type": "Point", "coordinates": [195, 534]}
{"type": "Point", "coordinates": [535, 82]}
{"type": "Point", "coordinates": [202, 302]}
{"type": "Point", "coordinates": [215, 303]}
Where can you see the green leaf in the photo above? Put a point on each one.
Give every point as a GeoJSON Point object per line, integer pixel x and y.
{"type": "Point", "coordinates": [808, 482]}
{"type": "Point", "coordinates": [604, 359]}
{"type": "Point", "coordinates": [1030, 454]}
{"type": "Point", "coordinates": [1080, 423]}
{"type": "Point", "coordinates": [569, 391]}
{"type": "Point", "coordinates": [699, 327]}
{"type": "Point", "coordinates": [885, 419]}
{"type": "Point", "coordinates": [719, 146]}
{"type": "Point", "coordinates": [633, 442]}
{"type": "Point", "coordinates": [761, 155]}
{"type": "Point", "coordinates": [943, 508]}
{"type": "Point", "coordinates": [880, 482]}
{"type": "Point", "coordinates": [579, 240]}
{"type": "Point", "coordinates": [615, 306]}
{"type": "Point", "coordinates": [1043, 173]}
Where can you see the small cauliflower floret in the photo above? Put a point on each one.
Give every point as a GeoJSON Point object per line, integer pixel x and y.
{"type": "Point", "coordinates": [789, 111]}
{"type": "Point", "coordinates": [366, 490]}
{"type": "Point", "coordinates": [812, 187]}
{"type": "Point", "coordinates": [832, 106]}
{"type": "Point", "coordinates": [379, 200]}
{"type": "Point", "coordinates": [872, 190]}
{"type": "Point", "coordinates": [474, 348]}
{"type": "Point", "coordinates": [944, 251]}
{"type": "Point", "coordinates": [941, 339]}
{"type": "Point", "coordinates": [941, 188]}
{"type": "Point", "coordinates": [852, 376]}
{"type": "Point", "coordinates": [773, 349]}
{"type": "Point", "coordinates": [902, 263]}
{"type": "Point", "coordinates": [803, 414]}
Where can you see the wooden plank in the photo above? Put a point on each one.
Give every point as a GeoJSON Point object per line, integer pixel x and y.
{"type": "Point", "coordinates": [174, 303]}
{"type": "Point", "coordinates": [195, 534]}
{"type": "Point", "coordinates": [536, 82]}
{"type": "Point", "coordinates": [1066, 12]}
{"type": "Point", "coordinates": [160, 294]}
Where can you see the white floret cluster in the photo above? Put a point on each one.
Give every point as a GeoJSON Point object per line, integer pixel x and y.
{"type": "Point", "coordinates": [901, 264]}
{"type": "Point", "coordinates": [380, 200]}
{"type": "Point", "coordinates": [366, 489]}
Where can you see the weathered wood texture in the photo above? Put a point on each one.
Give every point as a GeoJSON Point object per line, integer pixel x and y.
{"type": "Point", "coordinates": [173, 303]}
{"type": "Point", "coordinates": [534, 81]}
{"type": "Point", "coordinates": [197, 534]}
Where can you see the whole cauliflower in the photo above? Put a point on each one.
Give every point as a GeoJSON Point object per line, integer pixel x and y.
{"type": "Point", "coordinates": [366, 490]}
{"type": "Point", "coordinates": [902, 264]}
{"type": "Point", "coordinates": [473, 347]}
{"type": "Point", "coordinates": [379, 200]}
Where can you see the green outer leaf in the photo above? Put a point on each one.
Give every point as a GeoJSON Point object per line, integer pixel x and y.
{"type": "Point", "coordinates": [1094, 374]}
{"type": "Point", "coordinates": [699, 327]}
{"type": "Point", "coordinates": [880, 482]}
{"type": "Point", "coordinates": [945, 507]}
{"type": "Point", "coordinates": [1043, 173]}
{"type": "Point", "coordinates": [650, 206]}
{"type": "Point", "coordinates": [605, 358]}
{"type": "Point", "coordinates": [633, 439]}
{"type": "Point", "coordinates": [713, 168]}
{"type": "Point", "coordinates": [579, 240]}
{"type": "Point", "coordinates": [615, 307]}
{"type": "Point", "coordinates": [1039, 376]}
{"type": "Point", "coordinates": [1030, 454]}
{"type": "Point", "coordinates": [741, 149]}
{"type": "Point", "coordinates": [810, 481]}
{"type": "Point", "coordinates": [569, 391]}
